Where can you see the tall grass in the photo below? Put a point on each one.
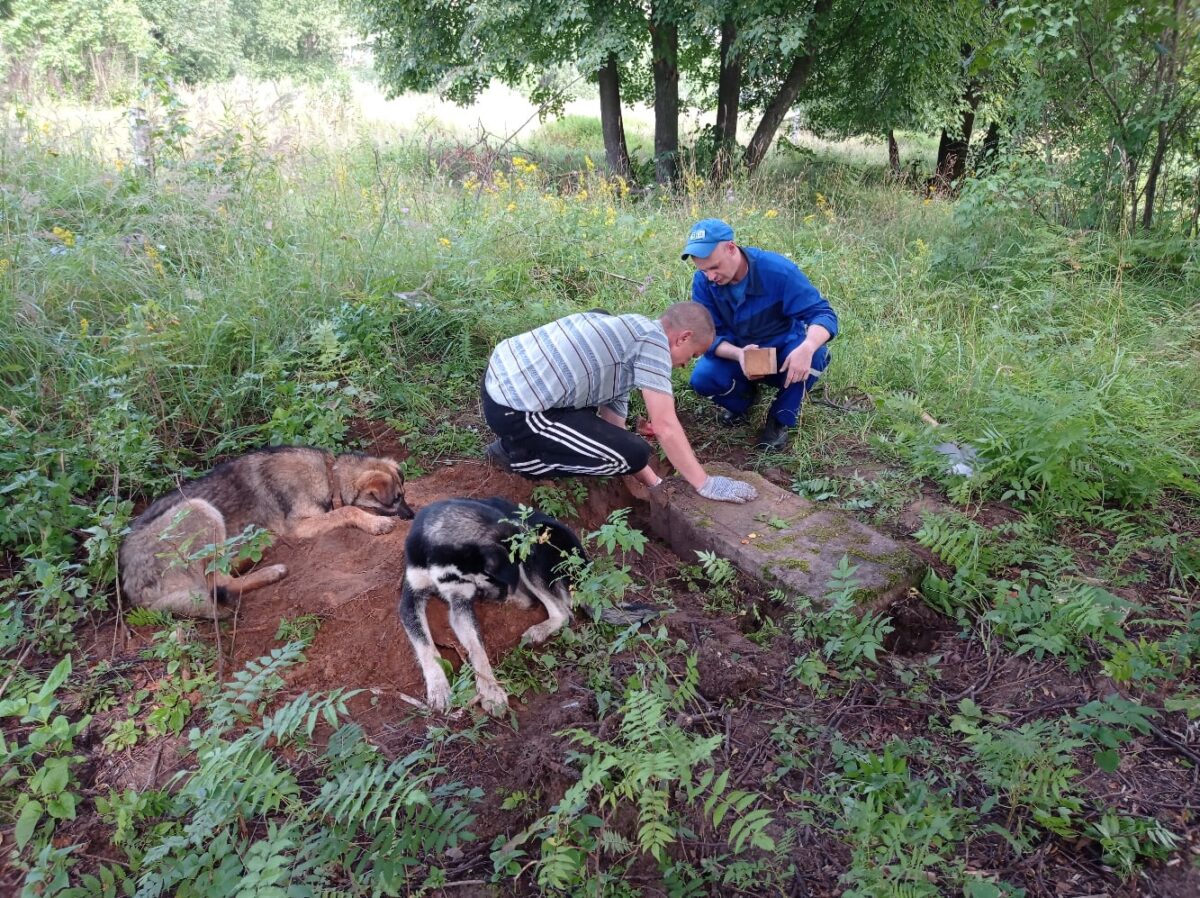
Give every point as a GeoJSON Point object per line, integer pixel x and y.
{"type": "Point", "coordinates": [272, 278]}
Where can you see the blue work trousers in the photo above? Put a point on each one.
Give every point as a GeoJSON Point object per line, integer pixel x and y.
{"type": "Point", "coordinates": [723, 382]}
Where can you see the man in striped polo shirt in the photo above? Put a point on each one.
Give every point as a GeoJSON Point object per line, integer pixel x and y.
{"type": "Point", "coordinates": [558, 397]}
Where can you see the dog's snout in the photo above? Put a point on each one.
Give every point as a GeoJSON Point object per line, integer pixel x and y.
{"type": "Point", "coordinates": [401, 509]}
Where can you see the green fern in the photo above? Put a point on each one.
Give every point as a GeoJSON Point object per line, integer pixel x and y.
{"type": "Point", "coordinates": [650, 759]}
{"type": "Point", "coordinates": [249, 687]}
{"type": "Point", "coordinates": [957, 541]}
{"type": "Point", "coordinates": [249, 826]}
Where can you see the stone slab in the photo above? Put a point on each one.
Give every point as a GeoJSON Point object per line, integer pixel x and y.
{"type": "Point", "coordinates": [796, 546]}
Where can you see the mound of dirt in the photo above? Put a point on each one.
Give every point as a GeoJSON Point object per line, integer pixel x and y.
{"type": "Point", "coordinates": [351, 581]}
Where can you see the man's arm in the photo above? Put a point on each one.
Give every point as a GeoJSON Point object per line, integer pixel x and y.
{"type": "Point", "coordinates": [798, 364]}
{"type": "Point", "coordinates": [674, 441]}
{"type": "Point", "coordinates": [738, 354]}
{"type": "Point", "coordinates": [670, 434]}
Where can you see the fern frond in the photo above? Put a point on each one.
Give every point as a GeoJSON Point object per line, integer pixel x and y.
{"type": "Point", "coordinates": [260, 679]}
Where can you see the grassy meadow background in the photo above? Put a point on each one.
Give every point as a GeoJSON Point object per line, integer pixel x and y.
{"type": "Point", "coordinates": [303, 260]}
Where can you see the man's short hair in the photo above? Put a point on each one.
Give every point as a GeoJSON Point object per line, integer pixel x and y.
{"type": "Point", "coordinates": [690, 316]}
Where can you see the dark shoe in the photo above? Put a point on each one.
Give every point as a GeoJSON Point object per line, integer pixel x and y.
{"type": "Point", "coordinates": [774, 436]}
{"type": "Point", "coordinates": [497, 457]}
{"type": "Point", "coordinates": [730, 419]}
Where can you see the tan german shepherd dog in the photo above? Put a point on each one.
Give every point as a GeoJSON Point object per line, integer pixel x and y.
{"type": "Point", "coordinates": [295, 492]}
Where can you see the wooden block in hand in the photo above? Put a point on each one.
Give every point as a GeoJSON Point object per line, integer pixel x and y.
{"type": "Point", "coordinates": [761, 362]}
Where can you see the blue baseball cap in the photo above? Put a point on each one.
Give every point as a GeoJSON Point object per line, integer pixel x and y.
{"type": "Point", "coordinates": [704, 237]}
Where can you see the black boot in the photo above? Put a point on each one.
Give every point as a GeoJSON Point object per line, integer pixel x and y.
{"type": "Point", "coordinates": [774, 437]}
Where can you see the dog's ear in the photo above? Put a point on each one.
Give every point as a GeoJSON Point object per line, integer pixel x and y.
{"type": "Point", "coordinates": [394, 466]}
{"type": "Point", "coordinates": [375, 484]}
{"type": "Point", "coordinates": [564, 539]}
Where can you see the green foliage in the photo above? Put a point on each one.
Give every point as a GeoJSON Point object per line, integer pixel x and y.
{"type": "Point", "coordinates": [1125, 840]}
{"type": "Point", "coordinates": [1060, 617]}
{"type": "Point", "coordinates": [601, 582]}
{"type": "Point", "coordinates": [77, 43]}
{"type": "Point", "coordinates": [44, 601]}
{"type": "Point", "coordinates": [302, 629]}
{"type": "Point", "coordinates": [1075, 450]}
{"type": "Point", "coordinates": [1030, 767]}
{"type": "Point", "coordinates": [39, 786]}
{"type": "Point", "coordinates": [1127, 108]}
{"type": "Point", "coordinates": [103, 48]}
{"type": "Point", "coordinates": [561, 499]}
{"type": "Point", "coordinates": [278, 38]}
{"type": "Point", "coordinates": [197, 38]}
{"type": "Point", "coordinates": [380, 822]}
{"type": "Point", "coordinates": [849, 635]}
{"type": "Point", "coordinates": [715, 578]}
{"type": "Point", "coordinates": [1111, 723]}
{"type": "Point", "coordinates": [902, 829]}
{"type": "Point", "coordinates": [650, 758]}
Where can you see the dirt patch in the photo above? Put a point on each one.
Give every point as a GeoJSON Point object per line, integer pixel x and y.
{"type": "Point", "coordinates": [351, 581]}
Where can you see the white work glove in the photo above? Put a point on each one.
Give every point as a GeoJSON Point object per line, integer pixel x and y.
{"type": "Point", "coordinates": [726, 489]}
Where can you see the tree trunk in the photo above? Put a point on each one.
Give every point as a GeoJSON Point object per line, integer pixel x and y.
{"type": "Point", "coordinates": [1131, 187]}
{"type": "Point", "coordinates": [141, 139]}
{"type": "Point", "coordinates": [776, 110]}
{"type": "Point", "coordinates": [664, 59]}
{"type": "Point", "coordinates": [1160, 153]}
{"type": "Point", "coordinates": [1167, 81]}
{"type": "Point", "coordinates": [991, 145]}
{"type": "Point", "coordinates": [612, 125]}
{"type": "Point", "coordinates": [729, 92]}
{"type": "Point", "coordinates": [1194, 224]}
{"type": "Point", "coordinates": [782, 102]}
{"type": "Point", "coordinates": [952, 150]}
{"type": "Point", "coordinates": [893, 155]}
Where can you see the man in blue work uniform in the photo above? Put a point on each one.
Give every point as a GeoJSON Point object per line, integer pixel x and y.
{"type": "Point", "coordinates": [757, 299]}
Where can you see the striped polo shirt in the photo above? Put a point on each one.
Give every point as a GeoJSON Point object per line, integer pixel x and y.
{"type": "Point", "coordinates": [580, 361]}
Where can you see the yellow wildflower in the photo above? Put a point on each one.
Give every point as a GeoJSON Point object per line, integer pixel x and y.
{"type": "Point", "coordinates": [119, 164]}
{"type": "Point", "coordinates": [587, 160]}
{"type": "Point", "coordinates": [771, 213]}
{"type": "Point", "coordinates": [443, 241]}
{"type": "Point", "coordinates": [581, 196]}
{"type": "Point", "coordinates": [64, 235]}
{"type": "Point", "coordinates": [511, 207]}
{"type": "Point", "coordinates": [4, 263]}
{"type": "Point", "coordinates": [83, 327]}
{"type": "Point", "coordinates": [155, 261]}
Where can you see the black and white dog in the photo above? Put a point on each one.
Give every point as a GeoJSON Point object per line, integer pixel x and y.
{"type": "Point", "coordinates": [459, 549]}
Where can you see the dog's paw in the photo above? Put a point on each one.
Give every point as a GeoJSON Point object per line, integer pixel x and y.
{"type": "Point", "coordinates": [437, 696]}
{"type": "Point", "coordinates": [539, 633]}
{"type": "Point", "coordinates": [379, 526]}
{"type": "Point", "coordinates": [493, 699]}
